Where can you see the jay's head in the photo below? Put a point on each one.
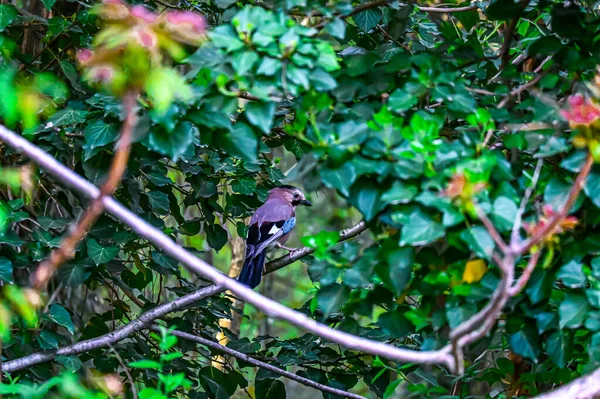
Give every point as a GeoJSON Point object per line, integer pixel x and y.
{"type": "Point", "coordinates": [291, 194]}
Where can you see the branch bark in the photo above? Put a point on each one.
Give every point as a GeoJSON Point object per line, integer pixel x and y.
{"type": "Point", "coordinates": [66, 251]}
{"type": "Point", "coordinates": [258, 363]}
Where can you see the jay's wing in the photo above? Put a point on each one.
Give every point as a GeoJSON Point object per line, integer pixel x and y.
{"type": "Point", "coordinates": [260, 236]}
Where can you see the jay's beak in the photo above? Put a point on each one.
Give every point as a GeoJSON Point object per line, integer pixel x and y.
{"type": "Point", "coordinates": [306, 202]}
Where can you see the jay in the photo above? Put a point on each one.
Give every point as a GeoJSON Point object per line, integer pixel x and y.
{"type": "Point", "coordinates": [270, 226]}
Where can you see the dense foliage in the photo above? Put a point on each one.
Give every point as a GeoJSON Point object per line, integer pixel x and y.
{"type": "Point", "coordinates": [417, 118]}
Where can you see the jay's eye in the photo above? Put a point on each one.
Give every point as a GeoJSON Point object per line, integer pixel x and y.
{"type": "Point", "coordinates": [296, 195]}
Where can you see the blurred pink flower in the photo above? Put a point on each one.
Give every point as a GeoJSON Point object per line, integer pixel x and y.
{"type": "Point", "coordinates": [84, 56]}
{"type": "Point", "coordinates": [146, 37]}
{"type": "Point", "coordinates": [102, 73]}
{"type": "Point", "coordinates": [143, 13]}
{"type": "Point", "coordinates": [581, 111]}
{"type": "Point", "coordinates": [187, 19]}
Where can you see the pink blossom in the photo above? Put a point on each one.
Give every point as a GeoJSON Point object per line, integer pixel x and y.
{"type": "Point", "coordinates": [188, 18]}
{"type": "Point", "coordinates": [581, 111]}
{"type": "Point", "coordinates": [84, 56]}
{"type": "Point", "coordinates": [102, 73]}
{"type": "Point", "coordinates": [146, 37]}
{"type": "Point", "coordinates": [143, 13]}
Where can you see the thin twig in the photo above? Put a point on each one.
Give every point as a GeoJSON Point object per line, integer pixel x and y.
{"type": "Point", "coordinates": [522, 281]}
{"type": "Point", "coordinates": [248, 359]}
{"type": "Point", "coordinates": [558, 218]}
{"type": "Point", "coordinates": [46, 269]}
{"type": "Point", "coordinates": [134, 392]}
{"type": "Point", "coordinates": [489, 226]}
{"type": "Point", "coordinates": [519, 90]}
{"type": "Point", "coordinates": [514, 237]}
{"type": "Point", "coordinates": [447, 10]}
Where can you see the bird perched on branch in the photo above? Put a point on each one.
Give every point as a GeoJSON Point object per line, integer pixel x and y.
{"type": "Point", "coordinates": [270, 226]}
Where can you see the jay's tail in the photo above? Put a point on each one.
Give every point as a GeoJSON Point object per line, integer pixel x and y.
{"type": "Point", "coordinates": [252, 270]}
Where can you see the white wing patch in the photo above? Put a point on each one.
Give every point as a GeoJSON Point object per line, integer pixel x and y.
{"type": "Point", "coordinates": [274, 230]}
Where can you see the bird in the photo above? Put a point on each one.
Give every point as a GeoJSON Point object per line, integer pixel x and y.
{"type": "Point", "coordinates": [270, 226]}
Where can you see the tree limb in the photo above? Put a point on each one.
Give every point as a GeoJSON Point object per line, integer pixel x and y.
{"type": "Point", "coordinates": [258, 363]}
{"type": "Point", "coordinates": [39, 279]}
{"type": "Point", "coordinates": [586, 387]}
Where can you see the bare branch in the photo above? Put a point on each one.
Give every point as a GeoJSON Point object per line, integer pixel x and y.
{"type": "Point", "coordinates": [258, 363]}
{"type": "Point", "coordinates": [514, 237]}
{"type": "Point", "coordinates": [586, 387]}
{"type": "Point", "coordinates": [448, 10]}
{"type": "Point", "coordinates": [489, 226]}
{"type": "Point", "coordinates": [39, 279]}
{"type": "Point", "coordinates": [194, 264]}
{"type": "Point", "coordinates": [571, 198]}
{"type": "Point", "coordinates": [522, 282]}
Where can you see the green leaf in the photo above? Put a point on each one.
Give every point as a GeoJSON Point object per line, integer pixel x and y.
{"type": "Point", "coordinates": [557, 346]}
{"type": "Point", "coordinates": [246, 186]}
{"type": "Point", "coordinates": [243, 62]}
{"type": "Point", "coordinates": [332, 297]}
{"type": "Point", "coordinates": [557, 192]}
{"type": "Point", "coordinates": [101, 254]}
{"type": "Point", "coordinates": [340, 179]}
{"type": "Point", "coordinates": [97, 134]}
{"type": "Point", "coordinates": [396, 271]}
{"type": "Point", "coordinates": [61, 316]}
{"type": "Point", "coordinates": [67, 116]}
{"type": "Point", "coordinates": [420, 229]}
{"type": "Point", "coordinates": [368, 19]}
{"type": "Point", "coordinates": [366, 198]}
{"type": "Point", "coordinates": [216, 236]}
{"type": "Point", "coordinates": [526, 342]}
{"type": "Point", "coordinates": [73, 275]}
{"type": "Point", "coordinates": [241, 142]}
{"type": "Point", "coordinates": [8, 13]}
{"type": "Point", "coordinates": [400, 193]}
{"type": "Point", "coordinates": [395, 324]}
{"type": "Point", "coordinates": [159, 202]}
{"type": "Point", "coordinates": [571, 274]}
{"type": "Point", "coordinates": [539, 287]}
{"type": "Point", "coordinates": [175, 143]}
{"type": "Point", "coordinates": [572, 310]}
{"type": "Point", "coordinates": [479, 241]}
{"type": "Point", "coordinates": [270, 389]}
{"type": "Point", "coordinates": [6, 270]}
{"type": "Point", "coordinates": [49, 4]}
{"type": "Point", "coordinates": [260, 114]}
{"type": "Point", "coordinates": [594, 348]}
{"type": "Point", "coordinates": [47, 340]}
{"type": "Point", "coordinates": [146, 364]}
{"type": "Point", "coordinates": [504, 213]}
{"type": "Point", "coordinates": [592, 187]}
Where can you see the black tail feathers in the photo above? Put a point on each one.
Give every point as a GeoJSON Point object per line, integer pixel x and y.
{"type": "Point", "coordinates": [252, 270]}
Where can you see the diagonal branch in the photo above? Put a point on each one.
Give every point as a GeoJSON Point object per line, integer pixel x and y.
{"type": "Point", "coordinates": [66, 251]}
{"type": "Point", "coordinates": [258, 363]}
{"type": "Point", "coordinates": [549, 229]}
{"type": "Point", "coordinates": [196, 265]}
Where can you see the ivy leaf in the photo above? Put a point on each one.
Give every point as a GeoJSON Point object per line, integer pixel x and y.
{"type": "Point", "coordinates": [101, 254]}
{"type": "Point", "coordinates": [572, 310]}
{"type": "Point", "coordinates": [159, 202]}
{"type": "Point", "coordinates": [97, 134]}
{"type": "Point", "coordinates": [332, 297]}
{"type": "Point", "coordinates": [340, 179]}
{"type": "Point", "coordinates": [241, 142]}
{"type": "Point", "coordinates": [571, 274]}
{"type": "Point", "coordinates": [216, 236]}
{"type": "Point", "coordinates": [61, 316]}
{"type": "Point", "coordinates": [526, 342]}
{"type": "Point", "coordinates": [592, 187]}
{"type": "Point", "coordinates": [8, 13]}
{"type": "Point", "coordinates": [366, 198]}
{"type": "Point", "coordinates": [479, 241]}
{"type": "Point", "coordinates": [395, 272]}
{"type": "Point", "coordinates": [260, 114]}
{"type": "Point", "coordinates": [175, 143]}
{"type": "Point", "coordinates": [395, 324]}
{"type": "Point", "coordinates": [504, 213]}
{"type": "Point", "coordinates": [270, 389]}
{"type": "Point", "coordinates": [557, 346]}
{"type": "Point", "coordinates": [6, 270]}
{"type": "Point", "coordinates": [73, 275]}
{"type": "Point", "coordinates": [368, 19]}
{"type": "Point", "coordinates": [420, 229]}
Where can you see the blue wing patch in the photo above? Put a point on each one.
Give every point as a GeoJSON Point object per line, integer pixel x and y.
{"type": "Point", "coordinates": [288, 225]}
